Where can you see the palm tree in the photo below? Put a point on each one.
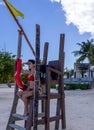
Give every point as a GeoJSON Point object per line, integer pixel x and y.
{"type": "Point", "coordinates": [86, 51]}
{"type": "Point", "coordinates": [68, 73]}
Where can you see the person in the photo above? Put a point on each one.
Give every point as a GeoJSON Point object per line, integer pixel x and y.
{"type": "Point", "coordinates": [29, 92]}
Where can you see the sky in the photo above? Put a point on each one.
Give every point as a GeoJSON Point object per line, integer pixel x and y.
{"type": "Point", "coordinates": [73, 18]}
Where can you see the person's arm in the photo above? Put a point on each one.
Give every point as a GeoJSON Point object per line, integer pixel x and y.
{"type": "Point", "coordinates": [25, 71]}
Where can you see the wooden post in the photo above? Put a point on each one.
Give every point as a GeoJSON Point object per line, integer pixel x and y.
{"type": "Point", "coordinates": [15, 100]}
{"type": "Point", "coordinates": [47, 104]}
{"type": "Point", "coordinates": [19, 44]}
{"type": "Point", "coordinates": [37, 78]}
{"type": "Point", "coordinates": [61, 66]}
{"type": "Point", "coordinates": [61, 101]}
{"type": "Point", "coordinates": [45, 55]}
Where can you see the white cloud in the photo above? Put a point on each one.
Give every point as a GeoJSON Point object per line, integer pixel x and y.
{"type": "Point", "coordinates": [80, 13]}
{"type": "Point", "coordinates": [2, 3]}
{"type": "Point", "coordinates": [55, 0]}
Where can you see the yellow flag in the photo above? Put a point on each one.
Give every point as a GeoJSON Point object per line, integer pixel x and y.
{"type": "Point", "coordinates": [14, 10]}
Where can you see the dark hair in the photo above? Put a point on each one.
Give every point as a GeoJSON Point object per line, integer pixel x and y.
{"type": "Point", "coordinates": [32, 61]}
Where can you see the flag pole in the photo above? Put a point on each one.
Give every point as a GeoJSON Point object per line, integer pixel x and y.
{"type": "Point", "coordinates": [20, 28]}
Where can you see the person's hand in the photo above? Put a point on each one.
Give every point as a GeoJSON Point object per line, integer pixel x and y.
{"type": "Point", "coordinates": [24, 63]}
{"type": "Point", "coordinates": [40, 90]}
{"type": "Point", "coordinates": [19, 93]}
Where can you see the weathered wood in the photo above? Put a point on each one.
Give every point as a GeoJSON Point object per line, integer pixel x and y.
{"type": "Point", "coordinates": [56, 71]}
{"type": "Point", "coordinates": [54, 64]}
{"type": "Point", "coordinates": [29, 121]}
{"type": "Point", "coordinates": [32, 119]}
{"type": "Point", "coordinates": [61, 65]}
{"type": "Point", "coordinates": [33, 113]}
{"type": "Point", "coordinates": [15, 100]}
{"type": "Point", "coordinates": [61, 101]}
{"type": "Point", "coordinates": [37, 78]}
{"type": "Point", "coordinates": [51, 96]}
{"type": "Point", "coordinates": [19, 117]}
{"type": "Point", "coordinates": [14, 126]}
{"type": "Point", "coordinates": [45, 56]}
{"type": "Point", "coordinates": [47, 105]}
{"type": "Point", "coordinates": [51, 119]}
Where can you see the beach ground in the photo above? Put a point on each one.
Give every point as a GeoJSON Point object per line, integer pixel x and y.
{"type": "Point", "coordinates": [79, 106]}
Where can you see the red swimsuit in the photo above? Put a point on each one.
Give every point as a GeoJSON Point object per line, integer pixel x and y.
{"type": "Point", "coordinates": [30, 78]}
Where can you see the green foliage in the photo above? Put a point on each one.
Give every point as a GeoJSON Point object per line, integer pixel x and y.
{"type": "Point", "coordinates": [68, 73]}
{"type": "Point", "coordinates": [23, 78]}
{"type": "Point", "coordinates": [86, 51]}
{"type": "Point", "coordinates": [7, 64]}
{"type": "Point", "coordinates": [53, 86]}
{"type": "Point", "coordinates": [71, 86]}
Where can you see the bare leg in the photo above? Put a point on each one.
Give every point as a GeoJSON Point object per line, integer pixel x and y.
{"type": "Point", "coordinates": [25, 100]}
{"type": "Point", "coordinates": [25, 105]}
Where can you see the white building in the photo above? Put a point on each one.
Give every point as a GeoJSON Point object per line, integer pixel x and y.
{"type": "Point", "coordinates": [82, 70]}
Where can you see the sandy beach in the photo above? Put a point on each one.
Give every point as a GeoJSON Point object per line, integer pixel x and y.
{"type": "Point", "coordinates": [79, 108]}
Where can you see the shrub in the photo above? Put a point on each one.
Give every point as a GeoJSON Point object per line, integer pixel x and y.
{"type": "Point", "coordinates": [53, 86]}
{"type": "Point", "coordinates": [76, 86]}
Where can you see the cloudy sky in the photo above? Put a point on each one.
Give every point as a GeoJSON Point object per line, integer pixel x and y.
{"type": "Point", "coordinates": [72, 17]}
{"type": "Point", "coordinates": [79, 13]}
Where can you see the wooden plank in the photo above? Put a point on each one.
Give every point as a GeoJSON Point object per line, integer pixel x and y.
{"type": "Point", "coordinates": [54, 81]}
{"type": "Point", "coordinates": [19, 117]}
{"type": "Point", "coordinates": [56, 71]}
{"type": "Point", "coordinates": [51, 96]}
{"type": "Point", "coordinates": [14, 126]}
{"type": "Point", "coordinates": [41, 114]}
{"type": "Point", "coordinates": [22, 117]}
{"type": "Point", "coordinates": [51, 119]}
{"type": "Point", "coordinates": [54, 64]}
{"type": "Point", "coordinates": [15, 100]}
{"type": "Point", "coordinates": [54, 96]}
{"type": "Point", "coordinates": [42, 97]}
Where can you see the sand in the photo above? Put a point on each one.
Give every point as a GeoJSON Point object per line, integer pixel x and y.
{"type": "Point", "coordinates": [79, 106]}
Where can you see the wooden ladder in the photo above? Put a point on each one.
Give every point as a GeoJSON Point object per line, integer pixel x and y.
{"type": "Point", "coordinates": [35, 118]}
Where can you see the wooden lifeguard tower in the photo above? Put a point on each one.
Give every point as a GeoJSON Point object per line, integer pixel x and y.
{"type": "Point", "coordinates": [52, 73]}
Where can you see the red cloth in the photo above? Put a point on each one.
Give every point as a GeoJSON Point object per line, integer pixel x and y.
{"type": "Point", "coordinates": [17, 77]}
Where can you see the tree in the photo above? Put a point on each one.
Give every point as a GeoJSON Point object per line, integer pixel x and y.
{"type": "Point", "coordinates": [68, 73]}
{"type": "Point", "coordinates": [86, 51]}
{"type": "Point", "coordinates": [7, 64]}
